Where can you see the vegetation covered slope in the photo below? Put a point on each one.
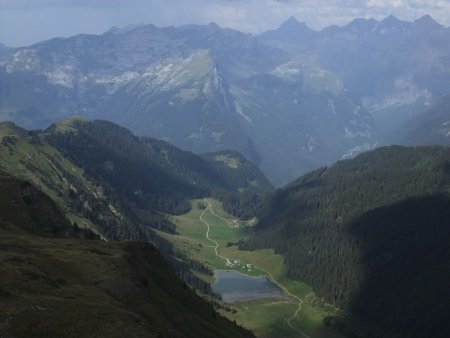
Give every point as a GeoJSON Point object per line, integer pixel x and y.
{"type": "Point", "coordinates": [41, 216]}
{"type": "Point", "coordinates": [28, 156]}
{"type": "Point", "coordinates": [250, 182]}
{"type": "Point", "coordinates": [151, 175]}
{"type": "Point", "coordinates": [371, 235]}
{"type": "Point", "coordinates": [106, 179]}
{"type": "Point", "coordinates": [54, 287]}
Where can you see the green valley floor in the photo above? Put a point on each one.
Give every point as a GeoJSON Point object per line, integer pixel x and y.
{"type": "Point", "coordinates": [210, 235]}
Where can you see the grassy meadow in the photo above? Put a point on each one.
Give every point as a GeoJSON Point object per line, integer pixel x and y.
{"type": "Point", "coordinates": [267, 317]}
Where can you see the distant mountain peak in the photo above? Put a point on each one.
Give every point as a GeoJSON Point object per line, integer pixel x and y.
{"type": "Point", "coordinates": [426, 18]}
{"type": "Point", "coordinates": [292, 20]}
{"type": "Point", "coordinates": [428, 21]}
{"type": "Point", "coordinates": [290, 29]}
{"type": "Point", "coordinates": [293, 24]}
{"type": "Point", "coordinates": [391, 19]}
{"type": "Point", "coordinates": [392, 22]}
{"type": "Point", "coordinates": [121, 30]}
{"type": "Point", "coordinates": [361, 23]}
{"type": "Point", "coordinates": [360, 20]}
{"type": "Point", "coordinates": [213, 25]}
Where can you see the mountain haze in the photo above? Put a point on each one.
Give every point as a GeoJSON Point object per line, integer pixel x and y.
{"type": "Point", "coordinates": [290, 96]}
{"type": "Point", "coordinates": [432, 127]}
{"type": "Point", "coordinates": [202, 88]}
{"type": "Point", "coordinates": [397, 69]}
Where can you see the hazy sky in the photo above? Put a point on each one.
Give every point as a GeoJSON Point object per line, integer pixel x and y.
{"type": "Point", "coordinates": [23, 22]}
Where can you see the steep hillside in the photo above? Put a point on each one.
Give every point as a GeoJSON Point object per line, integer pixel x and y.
{"type": "Point", "coordinates": [431, 127]}
{"type": "Point", "coordinates": [242, 175]}
{"type": "Point", "coordinates": [148, 174]}
{"type": "Point", "coordinates": [28, 208]}
{"type": "Point", "coordinates": [69, 287]}
{"type": "Point", "coordinates": [28, 156]}
{"type": "Point", "coordinates": [118, 183]}
{"type": "Point", "coordinates": [238, 172]}
{"type": "Point", "coordinates": [370, 235]}
{"type": "Point", "coordinates": [124, 187]}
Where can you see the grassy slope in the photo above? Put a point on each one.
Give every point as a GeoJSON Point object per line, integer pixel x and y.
{"type": "Point", "coordinates": [70, 288]}
{"type": "Point", "coordinates": [42, 216]}
{"type": "Point", "coordinates": [41, 164]}
{"type": "Point", "coordinates": [54, 287]}
{"type": "Point", "coordinates": [265, 317]}
{"type": "Point", "coordinates": [27, 156]}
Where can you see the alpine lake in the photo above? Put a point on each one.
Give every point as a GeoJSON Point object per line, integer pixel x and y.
{"type": "Point", "coordinates": [234, 286]}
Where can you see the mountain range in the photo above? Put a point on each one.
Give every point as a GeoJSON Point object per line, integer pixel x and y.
{"type": "Point", "coordinates": [387, 65]}
{"type": "Point", "coordinates": [207, 112]}
{"type": "Point", "coordinates": [292, 95]}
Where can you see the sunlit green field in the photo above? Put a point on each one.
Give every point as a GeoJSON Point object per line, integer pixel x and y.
{"type": "Point", "coordinates": [266, 318]}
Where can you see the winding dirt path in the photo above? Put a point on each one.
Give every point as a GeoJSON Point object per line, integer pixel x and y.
{"type": "Point", "coordinates": [216, 245]}
{"type": "Point", "coordinates": [281, 286]}
{"type": "Point", "coordinates": [218, 216]}
{"type": "Point", "coordinates": [300, 302]}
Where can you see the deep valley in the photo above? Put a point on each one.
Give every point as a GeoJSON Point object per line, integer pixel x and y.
{"type": "Point", "coordinates": [198, 180]}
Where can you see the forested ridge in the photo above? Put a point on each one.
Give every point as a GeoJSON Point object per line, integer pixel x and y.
{"type": "Point", "coordinates": [372, 236]}
{"type": "Point", "coordinates": [153, 176]}
{"type": "Point", "coordinates": [26, 207]}
{"type": "Point", "coordinates": [26, 155]}
{"type": "Point", "coordinates": [122, 186]}
{"type": "Point", "coordinates": [150, 179]}
{"type": "Point", "coordinates": [247, 179]}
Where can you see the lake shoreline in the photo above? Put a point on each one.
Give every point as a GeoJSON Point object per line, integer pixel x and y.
{"type": "Point", "coordinates": [235, 286]}
{"type": "Point", "coordinates": [232, 270]}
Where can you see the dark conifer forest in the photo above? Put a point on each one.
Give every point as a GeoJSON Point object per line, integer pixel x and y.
{"type": "Point", "coordinates": [226, 168]}
{"type": "Point", "coordinates": [151, 177]}
{"type": "Point", "coordinates": [370, 235]}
